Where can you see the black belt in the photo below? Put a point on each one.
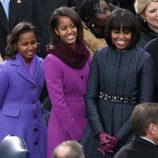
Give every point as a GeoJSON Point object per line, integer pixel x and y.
{"type": "Point", "coordinates": [118, 99]}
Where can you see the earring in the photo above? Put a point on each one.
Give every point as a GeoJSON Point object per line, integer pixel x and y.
{"type": "Point", "coordinates": [92, 25]}
{"type": "Point", "coordinates": [144, 20]}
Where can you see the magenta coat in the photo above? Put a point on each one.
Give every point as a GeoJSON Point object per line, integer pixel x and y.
{"type": "Point", "coordinates": [20, 108]}
{"type": "Point", "coordinates": [66, 87]}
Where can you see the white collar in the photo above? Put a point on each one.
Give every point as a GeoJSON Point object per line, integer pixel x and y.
{"type": "Point", "coordinates": [149, 140]}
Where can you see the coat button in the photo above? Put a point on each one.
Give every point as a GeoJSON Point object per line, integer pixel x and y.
{"type": "Point", "coordinates": [34, 102]}
{"type": "Point", "coordinates": [82, 77]}
{"type": "Point", "coordinates": [34, 87]}
{"type": "Point", "coordinates": [35, 116]}
{"type": "Point", "coordinates": [35, 143]}
{"type": "Point", "coordinates": [35, 129]}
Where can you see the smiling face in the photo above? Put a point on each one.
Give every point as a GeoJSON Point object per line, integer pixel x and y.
{"type": "Point", "coordinates": [121, 38]}
{"type": "Point", "coordinates": [151, 15]}
{"type": "Point", "coordinates": [67, 31]}
{"type": "Point", "coordinates": [27, 45]}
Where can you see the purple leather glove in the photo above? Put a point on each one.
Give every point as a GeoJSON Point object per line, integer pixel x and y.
{"type": "Point", "coordinates": [109, 147]}
{"type": "Point", "coordinates": [103, 149]}
{"type": "Point", "coordinates": [104, 140]}
{"type": "Point", "coordinates": [114, 140]}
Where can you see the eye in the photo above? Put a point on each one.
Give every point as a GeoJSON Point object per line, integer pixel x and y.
{"type": "Point", "coordinates": [72, 26]}
{"type": "Point", "coordinates": [34, 42]}
{"type": "Point", "coordinates": [24, 44]}
{"type": "Point", "coordinates": [152, 11]}
{"type": "Point", "coordinates": [63, 28]}
{"type": "Point", "coordinates": [116, 31]}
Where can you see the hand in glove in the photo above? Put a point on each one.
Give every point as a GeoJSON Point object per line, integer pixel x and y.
{"type": "Point", "coordinates": [104, 140]}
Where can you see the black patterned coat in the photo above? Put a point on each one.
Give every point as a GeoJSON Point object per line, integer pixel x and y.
{"type": "Point", "coordinates": [126, 73]}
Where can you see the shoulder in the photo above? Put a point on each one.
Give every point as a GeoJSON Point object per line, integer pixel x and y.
{"type": "Point", "coordinates": [102, 51]}
{"type": "Point", "coordinates": [152, 46]}
{"type": "Point", "coordinates": [141, 52]}
{"type": "Point", "coordinates": [53, 62]}
{"type": "Point", "coordinates": [50, 58]}
{"type": "Point", "coordinates": [124, 152]}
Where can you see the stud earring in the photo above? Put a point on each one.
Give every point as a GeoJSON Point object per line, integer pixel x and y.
{"type": "Point", "coordinates": [144, 20]}
{"type": "Point", "coordinates": [92, 25]}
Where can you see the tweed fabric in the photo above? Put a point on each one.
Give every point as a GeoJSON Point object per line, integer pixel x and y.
{"type": "Point", "coordinates": [127, 73]}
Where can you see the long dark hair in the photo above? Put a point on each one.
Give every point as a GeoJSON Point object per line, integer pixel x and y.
{"type": "Point", "coordinates": [54, 22]}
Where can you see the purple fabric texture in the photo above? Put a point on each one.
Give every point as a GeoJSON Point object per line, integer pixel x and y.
{"type": "Point", "coordinates": [66, 87]}
{"type": "Point", "coordinates": [20, 108]}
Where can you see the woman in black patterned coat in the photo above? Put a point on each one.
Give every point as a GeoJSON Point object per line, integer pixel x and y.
{"type": "Point", "coordinates": [121, 76]}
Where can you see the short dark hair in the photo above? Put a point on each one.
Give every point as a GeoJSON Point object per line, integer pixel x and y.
{"type": "Point", "coordinates": [54, 21]}
{"type": "Point", "coordinates": [12, 39]}
{"type": "Point", "coordinates": [142, 115]}
{"type": "Point", "coordinates": [121, 18]}
{"type": "Point", "coordinates": [75, 148]}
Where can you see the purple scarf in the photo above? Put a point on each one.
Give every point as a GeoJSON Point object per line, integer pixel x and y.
{"type": "Point", "coordinates": [74, 58]}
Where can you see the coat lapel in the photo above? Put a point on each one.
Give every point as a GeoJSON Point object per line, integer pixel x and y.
{"type": "Point", "coordinates": [22, 71]}
{"type": "Point", "coordinates": [14, 9]}
{"type": "Point", "coordinates": [38, 72]}
{"type": "Point", "coordinates": [3, 18]}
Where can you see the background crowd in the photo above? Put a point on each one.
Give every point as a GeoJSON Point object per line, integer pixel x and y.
{"type": "Point", "coordinates": [90, 62]}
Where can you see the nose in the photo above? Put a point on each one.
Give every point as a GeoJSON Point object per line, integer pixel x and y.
{"type": "Point", "coordinates": [121, 35]}
{"type": "Point", "coordinates": [30, 46]}
{"type": "Point", "coordinates": [68, 30]}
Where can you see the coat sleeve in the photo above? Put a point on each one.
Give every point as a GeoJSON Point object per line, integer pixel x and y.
{"type": "Point", "coordinates": [53, 75]}
{"type": "Point", "coordinates": [146, 88]}
{"type": "Point", "coordinates": [4, 83]}
{"type": "Point", "coordinates": [92, 97]}
{"type": "Point", "coordinates": [146, 80]}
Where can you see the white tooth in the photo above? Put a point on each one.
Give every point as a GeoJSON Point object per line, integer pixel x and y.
{"type": "Point", "coordinates": [70, 37]}
{"type": "Point", "coordinates": [121, 42]}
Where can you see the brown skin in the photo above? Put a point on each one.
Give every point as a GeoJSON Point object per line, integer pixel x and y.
{"type": "Point", "coordinates": [101, 18]}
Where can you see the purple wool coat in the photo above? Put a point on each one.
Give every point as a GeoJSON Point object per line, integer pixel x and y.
{"type": "Point", "coordinates": [20, 108]}
{"type": "Point", "coordinates": [66, 87]}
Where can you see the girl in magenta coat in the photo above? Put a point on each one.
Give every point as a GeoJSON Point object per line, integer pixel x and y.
{"type": "Point", "coordinates": [21, 82]}
{"type": "Point", "coordinates": [66, 69]}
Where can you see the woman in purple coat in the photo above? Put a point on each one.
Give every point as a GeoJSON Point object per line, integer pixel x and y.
{"type": "Point", "coordinates": [66, 69]}
{"type": "Point", "coordinates": [21, 82]}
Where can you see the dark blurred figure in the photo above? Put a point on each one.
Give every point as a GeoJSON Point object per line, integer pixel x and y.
{"type": "Point", "coordinates": [152, 48]}
{"type": "Point", "coordinates": [94, 15]}
{"type": "Point", "coordinates": [20, 10]}
{"type": "Point", "coordinates": [126, 4]}
{"type": "Point", "coordinates": [145, 127]}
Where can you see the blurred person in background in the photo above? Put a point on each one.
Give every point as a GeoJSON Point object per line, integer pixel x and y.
{"type": "Point", "coordinates": [147, 16]}
{"type": "Point", "coordinates": [94, 14]}
{"type": "Point", "coordinates": [15, 11]}
{"type": "Point", "coordinates": [69, 149]}
{"type": "Point", "coordinates": [145, 127]}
